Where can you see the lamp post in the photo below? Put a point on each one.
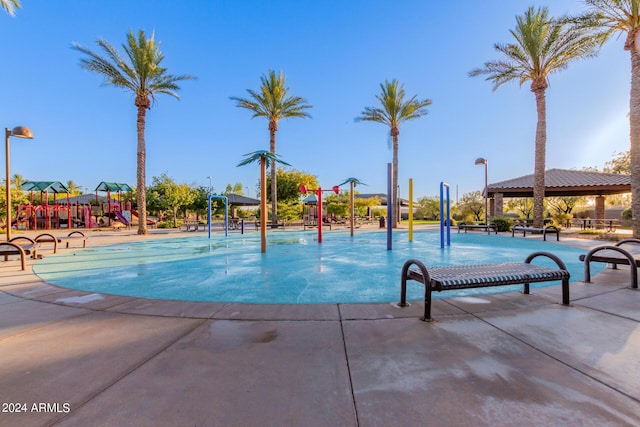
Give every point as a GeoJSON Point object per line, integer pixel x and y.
{"type": "Point", "coordinates": [485, 162]}
{"type": "Point", "coordinates": [210, 186]}
{"type": "Point", "coordinates": [18, 132]}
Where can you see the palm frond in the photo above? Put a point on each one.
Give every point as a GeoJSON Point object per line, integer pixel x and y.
{"type": "Point", "coordinates": [271, 100]}
{"type": "Point", "coordinates": [394, 110]}
{"type": "Point", "coordinates": [542, 46]}
{"type": "Point", "coordinates": [138, 70]}
{"type": "Point", "coordinates": [355, 182]}
{"type": "Point", "coordinates": [256, 156]}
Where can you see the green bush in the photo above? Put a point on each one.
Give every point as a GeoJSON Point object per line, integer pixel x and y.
{"type": "Point", "coordinates": [626, 214]}
{"type": "Point", "coordinates": [503, 223]}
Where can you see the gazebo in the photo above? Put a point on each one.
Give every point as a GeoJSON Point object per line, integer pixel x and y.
{"type": "Point", "coordinates": [560, 183]}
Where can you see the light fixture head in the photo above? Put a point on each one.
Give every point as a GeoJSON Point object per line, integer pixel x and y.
{"type": "Point", "coordinates": [481, 161]}
{"type": "Point", "coordinates": [22, 132]}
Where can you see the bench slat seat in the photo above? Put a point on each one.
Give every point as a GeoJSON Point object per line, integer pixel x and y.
{"type": "Point", "coordinates": [482, 275]}
{"type": "Point", "coordinates": [488, 228]}
{"type": "Point", "coordinates": [22, 250]}
{"type": "Point", "coordinates": [550, 229]}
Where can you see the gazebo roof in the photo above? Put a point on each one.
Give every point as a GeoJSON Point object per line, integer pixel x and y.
{"type": "Point", "coordinates": [238, 200]}
{"type": "Point", "coordinates": [42, 186]}
{"type": "Point", "coordinates": [562, 182]}
{"type": "Point", "coordinates": [113, 186]}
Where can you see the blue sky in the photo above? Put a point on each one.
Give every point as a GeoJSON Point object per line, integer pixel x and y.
{"type": "Point", "coordinates": [333, 53]}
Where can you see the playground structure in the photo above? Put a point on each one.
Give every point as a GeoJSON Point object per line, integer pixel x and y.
{"type": "Point", "coordinates": [113, 209]}
{"type": "Point", "coordinates": [85, 211]}
{"type": "Point", "coordinates": [42, 215]}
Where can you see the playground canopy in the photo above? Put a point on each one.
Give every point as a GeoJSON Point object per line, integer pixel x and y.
{"type": "Point", "coordinates": [113, 186]}
{"type": "Point", "coordinates": [238, 200]}
{"type": "Point", "coordinates": [44, 186]}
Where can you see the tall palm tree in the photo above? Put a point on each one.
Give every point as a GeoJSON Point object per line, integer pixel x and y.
{"type": "Point", "coordinates": [393, 112]}
{"type": "Point", "coordinates": [616, 17]}
{"type": "Point", "coordinates": [264, 158]}
{"type": "Point", "coordinates": [273, 103]}
{"type": "Point", "coordinates": [542, 46]}
{"type": "Point", "coordinates": [10, 5]}
{"type": "Point", "coordinates": [139, 71]}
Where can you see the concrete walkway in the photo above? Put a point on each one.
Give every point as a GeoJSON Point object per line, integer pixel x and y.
{"type": "Point", "coordinates": [69, 358]}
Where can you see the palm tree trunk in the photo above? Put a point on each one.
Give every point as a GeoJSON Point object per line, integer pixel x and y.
{"type": "Point", "coordinates": [394, 180]}
{"type": "Point", "coordinates": [540, 156]}
{"type": "Point", "coordinates": [634, 125]}
{"type": "Point", "coordinates": [274, 186]}
{"type": "Point", "coordinates": [141, 168]}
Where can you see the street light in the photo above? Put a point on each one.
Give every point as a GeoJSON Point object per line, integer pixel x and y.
{"type": "Point", "coordinates": [210, 186]}
{"type": "Point", "coordinates": [485, 162]}
{"type": "Point", "coordinates": [18, 132]}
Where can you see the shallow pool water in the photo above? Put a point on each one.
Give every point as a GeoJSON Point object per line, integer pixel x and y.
{"type": "Point", "coordinates": [294, 270]}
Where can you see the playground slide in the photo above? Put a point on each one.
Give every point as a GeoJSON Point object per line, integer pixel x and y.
{"type": "Point", "coordinates": [149, 221]}
{"type": "Point", "coordinates": [121, 218]}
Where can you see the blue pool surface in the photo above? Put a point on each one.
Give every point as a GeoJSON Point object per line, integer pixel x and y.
{"type": "Point", "coordinates": [294, 270]}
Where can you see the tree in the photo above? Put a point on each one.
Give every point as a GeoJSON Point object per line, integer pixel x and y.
{"type": "Point", "coordinates": [521, 205]}
{"type": "Point", "coordinates": [472, 204]}
{"type": "Point", "coordinates": [428, 208]}
{"type": "Point", "coordinates": [620, 17]}
{"type": "Point", "coordinates": [543, 45]}
{"type": "Point", "coordinates": [140, 72]}
{"type": "Point", "coordinates": [10, 5]}
{"type": "Point", "coordinates": [289, 182]}
{"type": "Point", "coordinates": [620, 164]}
{"type": "Point", "coordinates": [273, 103]}
{"type": "Point", "coordinates": [234, 189]}
{"type": "Point", "coordinates": [73, 188]}
{"type": "Point", "coordinates": [393, 112]}
{"type": "Point", "coordinates": [167, 195]}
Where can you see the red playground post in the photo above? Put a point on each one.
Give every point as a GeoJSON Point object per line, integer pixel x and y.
{"type": "Point", "coordinates": [318, 191]}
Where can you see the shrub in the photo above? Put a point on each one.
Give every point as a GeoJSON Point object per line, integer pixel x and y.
{"type": "Point", "coordinates": [626, 214]}
{"type": "Point", "coordinates": [503, 223]}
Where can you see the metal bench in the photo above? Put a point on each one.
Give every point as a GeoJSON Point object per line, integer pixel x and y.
{"type": "Point", "coordinates": [615, 255]}
{"type": "Point", "coordinates": [482, 275]}
{"type": "Point", "coordinates": [74, 236]}
{"type": "Point", "coordinates": [20, 249]}
{"type": "Point", "coordinates": [550, 229]}
{"type": "Point", "coordinates": [485, 227]}
{"type": "Point", "coordinates": [270, 225]}
{"type": "Point", "coordinates": [191, 225]}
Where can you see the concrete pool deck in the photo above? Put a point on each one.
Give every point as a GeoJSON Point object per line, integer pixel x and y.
{"type": "Point", "coordinates": [71, 358]}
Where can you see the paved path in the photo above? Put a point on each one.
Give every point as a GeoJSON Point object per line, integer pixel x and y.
{"type": "Point", "coordinates": [75, 359]}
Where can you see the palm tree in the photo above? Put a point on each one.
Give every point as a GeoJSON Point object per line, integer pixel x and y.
{"type": "Point", "coordinates": [542, 46]}
{"type": "Point", "coordinates": [139, 71]}
{"type": "Point", "coordinates": [73, 188]}
{"type": "Point", "coordinates": [395, 111]}
{"type": "Point", "coordinates": [265, 158]}
{"type": "Point", "coordinates": [352, 185]}
{"type": "Point", "coordinates": [273, 103]}
{"type": "Point", "coordinates": [10, 5]}
{"type": "Point", "coordinates": [616, 17]}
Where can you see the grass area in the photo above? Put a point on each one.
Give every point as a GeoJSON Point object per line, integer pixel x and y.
{"type": "Point", "coordinates": [419, 221]}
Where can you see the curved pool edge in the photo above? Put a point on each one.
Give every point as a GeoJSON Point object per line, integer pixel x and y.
{"type": "Point", "coordinates": [27, 285]}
